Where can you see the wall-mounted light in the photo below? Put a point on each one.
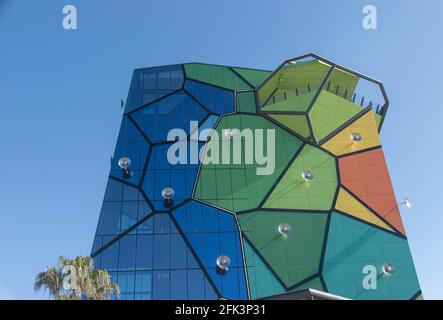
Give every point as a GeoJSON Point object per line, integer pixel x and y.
{"type": "Point", "coordinates": [307, 175]}
{"type": "Point", "coordinates": [284, 229]}
{"type": "Point", "coordinates": [388, 269]}
{"type": "Point", "coordinates": [356, 137]}
{"type": "Point", "coordinates": [124, 163]}
{"type": "Point", "coordinates": [223, 262]}
{"type": "Point", "coordinates": [406, 202]}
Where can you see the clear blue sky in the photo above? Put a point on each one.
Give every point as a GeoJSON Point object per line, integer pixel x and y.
{"type": "Point", "coordinates": [60, 97]}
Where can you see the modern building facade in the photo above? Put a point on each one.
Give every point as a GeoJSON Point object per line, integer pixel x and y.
{"type": "Point", "coordinates": [325, 218]}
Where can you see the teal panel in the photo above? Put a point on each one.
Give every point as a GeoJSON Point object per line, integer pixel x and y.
{"type": "Point", "coordinates": [351, 246]}
{"type": "Point", "coordinates": [262, 282]}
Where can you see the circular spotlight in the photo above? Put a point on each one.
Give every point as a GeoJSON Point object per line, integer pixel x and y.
{"type": "Point", "coordinates": [356, 137]}
{"type": "Point", "coordinates": [388, 269]}
{"type": "Point", "coordinates": [168, 193]}
{"type": "Point", "coordinates": [223, 263]}
{"type": "Point", "coordinates": [307, 175]}
{"type": "Point", "coordinates": [284, 229]}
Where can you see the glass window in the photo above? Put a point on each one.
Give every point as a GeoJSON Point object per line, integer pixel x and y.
{"type": "Point", "coordinates": [144, 251]}
{"type": "Point", "coordinates": [160, 285]}
{"type": "Point", "coordinates": [178, 250]}
{"type": "Point", "coordinates": [127, 252]}
{"type": "Point", "coordinates": [196, 278]}
{"type": "Point", "coordinates": [179, 285]}
{"type": "Point", "coordinates": [161, 251]}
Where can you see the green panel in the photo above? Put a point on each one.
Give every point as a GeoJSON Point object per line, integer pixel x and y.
{"type": "Point", "coordinates": [291, 102]}
{"type": "Point", "coordinates": [246, 102]}
{"type": "Point", "coordinates": [294, 257]}
{"type": "Point", "coordinates": [351, 246]}
{"type": "Point", "coordinates": [342, 83]}
{"type": "Point", "coordinates": [254, 77]}
{"type": "Point", "coordinates": [420, 297]}
{"type": "Point", "coordinates": [216, 75]}
{"type": "Point", "coordinates": [301, 74]}
{"type": "Point", "coordinates": [237, 187]}
{"type": "Point", "coordinates": [262, 282]}
{"type": "Point", "coordinates": [296, 123]}
{"type": "Point", "coordinates": [330, 112]}
{"type": "Point", "coordinates": [312, 284]}
{"type": "Point", "coordinates": [268, 88]}
{"type": "Point", "coordinates": [293, 192]}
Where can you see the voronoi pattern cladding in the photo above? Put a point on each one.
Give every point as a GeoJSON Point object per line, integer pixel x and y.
{"type": "Point", "coordinates": [323, 215]}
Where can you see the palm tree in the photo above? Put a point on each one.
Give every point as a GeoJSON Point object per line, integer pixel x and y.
{"type": "Point", "coordinates": [50, 280]}
{"type": "Point", "coordinates": [86, 282]}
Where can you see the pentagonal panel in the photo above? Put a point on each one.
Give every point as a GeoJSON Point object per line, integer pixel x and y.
{"type": "Point", "coordinates": [353, 248]}
{"type": "Point", "coordinates": [237, 187]}
{"type": "Point", "coordinates": [343, 143]}
{"type": "Point", "coordinates": [293, 257]}
{"type": "Point", "coordinates": [246, 102]}
{"type": "Point", "coordinates": [212, 233]}
{"type": "Point", "coordinates": [366, 175]}
{"type": "Point", "coordinates": [294, 192]}
{"type": "Point", "coordinates": [173, 112]}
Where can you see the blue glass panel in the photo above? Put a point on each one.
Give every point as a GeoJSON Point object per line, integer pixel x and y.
{"type": "Point", "coordinates": [143, 285]}
{"type": "Point", "coordinates": [153, 83]}
{"type": "Point", "coordinates": [127, 253]}
{"type": "Point", "coordinates": [197, 279]}
{"type": "Point", "coordinates": [161, 174]}
{"type": "Point", "coordinates": [145, 252]}
{"type": "Point", "coordinates": [130, 144]}
{"type": "Point", "coordinates": [175, 111]}
{"type": "Point", "coordinates": [109, 257]}
{"type": "Point", "coordinates": [179, 285]}
{"type": "Point", "coordinates": [155, 263]}
{"type": "Point", "coordinates": [216, 100]}
{"type": "Point", "coordinates": [210, 244]}
{"type": "Point", "coordinates": [160, 285]}
{"type": "Point", "coordinates": [126, 208]}
{"type": "Point", "coordinates": [161, 250]}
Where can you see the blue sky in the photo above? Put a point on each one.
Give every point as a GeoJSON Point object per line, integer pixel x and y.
{"type": "Point", "coordinates": [60, 97]}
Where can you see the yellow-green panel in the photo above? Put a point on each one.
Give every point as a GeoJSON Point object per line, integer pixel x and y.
{"type": "Point", "coordinates": [293, 192]}
{"type": "Point", "coordinates": [289, 101]}
{"type": "Point", "coordinates": [330, 112]}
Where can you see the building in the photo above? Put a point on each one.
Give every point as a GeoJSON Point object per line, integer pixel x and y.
{"type": "Point", "coordinates": [325, 218]}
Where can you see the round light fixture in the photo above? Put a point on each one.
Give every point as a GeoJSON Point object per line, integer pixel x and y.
{"type": "Point", "coordinates": [124, 163]}
{"type": "Point", "coordinates": [307, 175]}
{"type": "Point", "coordinates": [284, 229]}
{"type": "Point", "coordinates": [356, 137]}
{"type": "Point", "coordinates": [168, 193]}
{"type": "Point", "coordinates": [223, 262]}
{"type": "Point", "coordinates": [388, 269]}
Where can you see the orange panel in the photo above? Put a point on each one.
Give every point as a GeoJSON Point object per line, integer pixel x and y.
{"type": "Point", "coordinates": [367, 176]}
